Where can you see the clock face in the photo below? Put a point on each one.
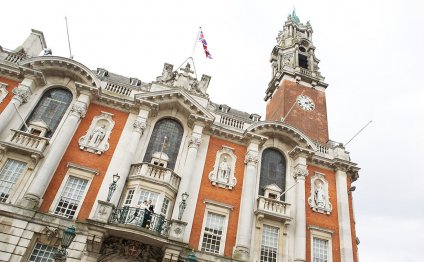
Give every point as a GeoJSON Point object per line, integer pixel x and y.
{"type": "Point", "coordinates": [305, 102]}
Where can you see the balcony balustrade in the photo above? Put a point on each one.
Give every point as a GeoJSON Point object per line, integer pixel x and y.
{"type": "Point", "coordinates": [156, 173]}
{"type": "Point", "coordinates": [141, 219]}
{"type": "Point", "coordinates": [273, 208]}
{"type": "Point", "coordinates": [25, 143]}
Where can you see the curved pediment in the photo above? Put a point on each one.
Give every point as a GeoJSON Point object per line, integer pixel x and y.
{"type": "Point", "coordinates": [62, 67]}
{"type": "Point", "coordinates": [176, 99]}
{"type": "Point", "coordinates": [285, 132]}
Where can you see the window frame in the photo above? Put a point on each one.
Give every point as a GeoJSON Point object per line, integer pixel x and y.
{"type": "Point", "coordinates": [278, 240]}
{"type": "Point", "coordinates": [78, 172]}
{"type": "Point", "coordinates": [323, 234]}
{"type": "Point", "coordinates": [13, 190]}
{"type": "Point", "coordinates": [220, 209]}
{"type": "Point", "coordinates": [42, 244]}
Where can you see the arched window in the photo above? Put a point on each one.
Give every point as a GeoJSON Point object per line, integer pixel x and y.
{"type": "Point", "coordinates": [273, 170]}
{"type": "Point", "coordinates": [51, 108]}
{"type": "Point", "coordinates": [174, 133]}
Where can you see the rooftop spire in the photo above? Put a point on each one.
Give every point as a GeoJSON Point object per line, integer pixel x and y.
{"type": "Point", "coordinates": [294, 17]}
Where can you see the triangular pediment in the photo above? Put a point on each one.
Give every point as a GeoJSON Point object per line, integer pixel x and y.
{"type": "Point", "coordinates": [166, 99]}
{"type": "Point", "coordinates": [273, 188]}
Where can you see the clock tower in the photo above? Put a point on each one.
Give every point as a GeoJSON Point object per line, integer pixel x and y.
{"type": "Point", "coordinates": [296, 93]}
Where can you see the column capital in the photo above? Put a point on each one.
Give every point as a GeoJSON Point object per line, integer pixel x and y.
{"type": "Point", "coordinates": [251, 158]}
{"type": "Point", "coordinates": [22, 93]}
{"type": "Point", "coordinates": [139, 124]}
{"type": "Point", "coordinates": [194, 141]}
{"type": "Point", "coordinates": [300, 171]}
{"type": "Point", "coordinates": [79, 109]}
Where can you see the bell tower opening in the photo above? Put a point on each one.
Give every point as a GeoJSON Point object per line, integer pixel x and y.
{"type": "Point", "coordinates": [303, 61]}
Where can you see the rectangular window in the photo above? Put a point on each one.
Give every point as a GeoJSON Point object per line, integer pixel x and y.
{"type": "Point", "coordinates": [71, 197]}
{"type": "Point", "coordinates": [147, 195]}
{"type": "Point", "coordinates": [129, 198]}
{"type": "Point", "coordinates": [165, 206]}
{"type": "Point", "coordinates": [9, 174]}
{"type": "Point", "coordinates": [269, 246]}
{"type": "Point", "coordinates": [320, 250]}
{"type": "Point", "coordinates": [42, 253]}
{"type": "Point", "coordinates": [213, 233]}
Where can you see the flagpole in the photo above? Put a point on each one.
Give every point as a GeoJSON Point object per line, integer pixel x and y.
{"type": "Point", "coordinates": [197, 39]}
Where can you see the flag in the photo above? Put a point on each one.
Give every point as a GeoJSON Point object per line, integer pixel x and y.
{"type": "Point", "coordinates": [205, 44]}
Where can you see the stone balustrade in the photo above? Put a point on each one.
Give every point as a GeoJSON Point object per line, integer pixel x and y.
{"type": "Point", "coordinates": [228, 121]}
{"type": "Point", "coordinates": [157, 173]}
{"type": "Point", "coordinates": [118, 89]}
{"type": "Point", "coordinates": [273, 208]}
{"type": "Point", "coordinates": [26, 143]}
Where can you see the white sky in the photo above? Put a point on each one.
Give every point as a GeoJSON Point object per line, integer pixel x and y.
{"type": "Point", "coordinates": [371, 55]}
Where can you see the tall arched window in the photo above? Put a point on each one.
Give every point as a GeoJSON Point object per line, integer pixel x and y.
{"type": "Point", "coordinates": [51, 108]}
{"type": "Point", "coordinates": [174, 133]}
{"type": "Point", "coordinates": [273, 170]}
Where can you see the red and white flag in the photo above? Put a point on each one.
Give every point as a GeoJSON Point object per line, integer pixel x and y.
{"type": "Point", "coordinates": [205, 44]}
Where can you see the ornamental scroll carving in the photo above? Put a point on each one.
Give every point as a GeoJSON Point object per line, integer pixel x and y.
{"type": "Point", "coordinates": [194, 141]}
{"type": "Point", "coordinates": [251, 158]}
{"type": "Point", "coordinates": [319, 199]}
{"type": "Point", "coordinates": [119, 249]}
{"type": "Point", "coordinates": [79, 109]}
{"type": "Point", "coordinates": [223, 174]}
{"type": "Point", "coordinates": [139, 125]}
{"type": "Point", "coordinates": [22, 92]}
{"type": "Point", "coordinates": [96, 139]}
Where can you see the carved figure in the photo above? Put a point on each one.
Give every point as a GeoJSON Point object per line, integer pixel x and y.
{"type": "Point", "coordinates": [97, 135]}
{"type": "Point", "coordinates": [224, 170]}
{"type": "Point", "coordinates": [320, 196]}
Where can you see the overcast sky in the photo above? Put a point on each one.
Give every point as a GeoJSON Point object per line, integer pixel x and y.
{"type": "Point", "coordinates": [371, 54]}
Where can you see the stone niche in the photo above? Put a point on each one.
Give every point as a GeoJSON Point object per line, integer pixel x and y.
{"type": "Point", "coordinates": [319, 199]}
{"type": "Point", "coordinates": [96, 139]}
{"type": "Point", "coordinates": [223, 174]}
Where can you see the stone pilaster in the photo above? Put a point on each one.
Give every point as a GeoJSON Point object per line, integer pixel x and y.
{"type": "Point", "coordinates": [300, 173]}
{"type": "Point", "coordinates": [244, 232]}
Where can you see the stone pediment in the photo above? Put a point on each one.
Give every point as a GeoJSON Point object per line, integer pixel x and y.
{"type": "Point", "coordinates": [175, 98]}
{"type": "Point", "coordinates": [273, 188]}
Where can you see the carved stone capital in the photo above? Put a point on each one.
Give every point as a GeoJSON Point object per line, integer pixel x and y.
{"type": "Point", "coordinates": [79, 109]}
{"type": "Point", "coordinates": [251, 158]}
{"type": "Point", "coordinates": [22, 93]}
{"type": "Point", "coordinates": [139, 125]}
{"type": "Point", "coordinates": [194, 142]}
{"type": "Point", "coordinates": [300, 172]}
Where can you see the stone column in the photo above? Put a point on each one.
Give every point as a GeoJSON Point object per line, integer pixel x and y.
{"type": "Point", "coordinates": [188, 181]}
{"type": "Point", "coordinates": [244, 232]}
{"type": "Point", "coordinates": [22, 94]}
{"type": "Point", "coordinates": [345, 233]}
{"type": "Point", "coordinates": [42, 178]}
{"type": "Point", "coordinates": [300, 173]}
{"type": "Point", "coordinates": [104, 209]}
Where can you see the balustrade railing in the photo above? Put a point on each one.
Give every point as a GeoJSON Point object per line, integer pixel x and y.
{"type": "Point", "coordinates": [231, 122]}
{"type": "Point", "coordinates": [157, 173]}
{"type": "Point", "coordinates": [273, 206]}
{"type": "Point", "coordinates": [26, 140]}
{"type": "Point", "coordinates": [142, 219]}
{"type": "Point", "coordinates": [322, 149]}
{"type": "Point", "coordinates": [118, 89]}
{"type": "Point", "coordinates": [305, 71]}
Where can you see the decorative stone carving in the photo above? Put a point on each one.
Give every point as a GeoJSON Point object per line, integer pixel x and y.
{"type": "Point", "coordinates": [223, 174]}
{"type": "Point", "coordinates": [300, 171]}
{"type": "Point", "coordinates": [177, 230]}
{"type": "Point", "coordinates": [167, 74]}
{"type": "Point", "coordinates": [319, 199]}
{"type": "Point", "coordinates": [194, 141]}
{"type": "Point", "coordinates": [96, 139]}
{"type": "Point", "coordinates": [22, 93]}
{"type": "Point", "coordinates": [3, 91]}
{"type": "Point", "coordinates": [139, 125]}
{"type": "Point", "coordinates": [251, 158]}
{"type": "Point", "coordinates": [103, 211]}
{"type": "Point", "coordinates": [79, 109]}
{"type": "Point", "coordinates": [118, 249]}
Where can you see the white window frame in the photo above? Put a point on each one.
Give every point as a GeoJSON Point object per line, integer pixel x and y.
{"type": "Point", "coordinates": [324, 234]}
{"type": "Point", "coordinates": [278, 240]}
{"type": "Point", "coordinates": [124, 202]}
{"type": "Point", "coordinates": [77, 171]}
{"type": "Point", "coordinates": [220, 209]}
{"type": "Point", "coordinates": [42, 244]}
{"type": "Point", "coordinates": [14, 189]}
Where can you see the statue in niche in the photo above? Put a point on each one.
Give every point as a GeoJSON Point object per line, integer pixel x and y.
{"type": "Point", "coordinates": [224, 170]}
{"type": "Point", "coordinates": [320, 196]}
{"type": "Point", "coordinates": [97, 135]}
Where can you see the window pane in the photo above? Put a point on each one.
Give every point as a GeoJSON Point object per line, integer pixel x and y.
{"type": "Point", "coordinates": [51, 108]}
{"type": "Point", "coordinates": [71, 197]}
{"type": "Point", "coordinates": [165, 205]}
{"type": "Point", "coordinates": [129, 198]}
{"type": "Point", "coordinates": [213, 233]}
{"type": "Point", "coordinates": [273, 170]}
{"type": "Point", "coordinates": [174, 133]}
{"type": "Point", "coordinates": [147, 195]}
{"type": "Point", "coordinates": [42, 253]}
{"type": "Point", "coordinates": [9, 174]}
{"type": "Point", "coordinates": [269, 246]}
{"type": "Point", "coordinates": [320, 250]}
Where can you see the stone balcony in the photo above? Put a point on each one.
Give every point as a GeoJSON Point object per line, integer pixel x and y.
{"type": "Point", "coordinates": [156, 174]}
{"type": "Point", "coordinates": [272, 208]}
{"type": "Point", "coordinates": [25, 143]}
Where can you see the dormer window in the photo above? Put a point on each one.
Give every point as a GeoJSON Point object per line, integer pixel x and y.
{"type": "Point", "coordinates": [102, 72]}
{"type": "Point", "coordinates": [303, 61]}
{"type": "Point", "coordinates": [134, 81]}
